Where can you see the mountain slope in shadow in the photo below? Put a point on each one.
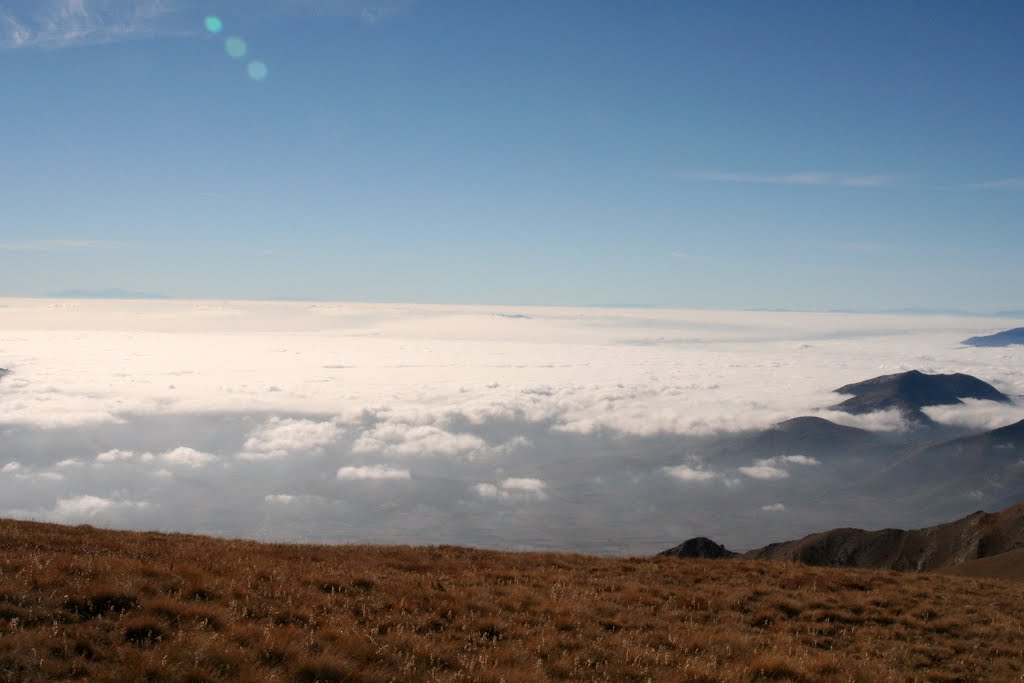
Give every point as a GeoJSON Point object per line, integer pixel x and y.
{"type": "Point", "coordinates": [941, 547]}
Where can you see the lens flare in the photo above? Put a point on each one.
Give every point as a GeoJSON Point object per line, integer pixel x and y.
{"type": "Point", "coordinates": [213, 24]}
{"type": "Point", "coordinates": [257, 71]}
{"type": "Point", "coordinates": [236, 47]}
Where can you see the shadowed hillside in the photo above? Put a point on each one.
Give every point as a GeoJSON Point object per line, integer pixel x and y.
{"type": "Point", "coordinates": [947, 545]}
{"type": "Point", "coordinates": [85, 604]}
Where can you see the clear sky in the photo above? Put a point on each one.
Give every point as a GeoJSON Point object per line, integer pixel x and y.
{"type": "Point", "coordinates": [863, 155]}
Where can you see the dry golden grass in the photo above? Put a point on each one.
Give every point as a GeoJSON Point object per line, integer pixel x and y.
{"type": "Point", "coordinates": [81, 603]}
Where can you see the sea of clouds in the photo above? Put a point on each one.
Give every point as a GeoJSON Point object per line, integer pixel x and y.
{"type": "Point", "coordinates": [554, 428]}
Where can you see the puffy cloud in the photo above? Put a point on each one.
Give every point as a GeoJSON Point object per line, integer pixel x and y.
{"type": "Point", "coordinates": [769, 468]}
{"type": "Point", "coordinates": [186, 457]}
{"type": "Point", "coordinates": [794, 460]}
{"type": "Point", "coordinates": [687, 473]}
{"type": "Point", "coordinates": [11, 467]}
{"type": "Point", "coordinates": [975, 414]}
{"type": "Point", "coordinates": [485, 490]}
{"type": "Point", "coordinates": [114, 456]}
{"type": "Point", "coordinates": [527, 484]}
{"type": "Point", "coordinates": [372, 472]}
{"type": "Point", "coordinates": [513, 488]}
{"type": "Point", "coordinates": [89, 506]}
{"type": "Point", "coordinates": [281, 437]}
{"type": "Point", "coordinates": [70, 462]}
{"type": "Point", "coordinates": [775, 507]}
{"type": "Point", "coordinates": [765, 472]}
{"type": "Point", "coordinates": [405, 439]}
{"type": "Point", "coordinates": [279, 498]}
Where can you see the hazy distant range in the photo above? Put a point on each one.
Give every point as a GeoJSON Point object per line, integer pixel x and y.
{"type": "Point", "coordinates": [602, 430]}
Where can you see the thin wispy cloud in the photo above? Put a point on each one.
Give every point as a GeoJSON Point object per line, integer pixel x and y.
{"type": "Point", "coordinates": [812, 178]}
{"type": "Point", "coordinates": [1016, 183]}
{"type": "Point", "coordinates": [53, 24]}
{"type": "Point", "coordinates": [58, 245]}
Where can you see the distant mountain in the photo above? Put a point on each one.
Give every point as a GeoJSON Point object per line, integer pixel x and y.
{"type": "Point", "coordinates": [913, 390]}
{"type": "Point", "coordinates": [808, 434]}
{"type": "Point", "coordinates": [700, 547]}
{"type": "Point", "coordinates": [1005, 338]}
{"type": "Point", "coordinates": [104, 294]}
{"type": "Point", "coordinates": [945, 546]}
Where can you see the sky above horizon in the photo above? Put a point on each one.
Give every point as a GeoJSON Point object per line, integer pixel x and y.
{"type": "Point", "coordinates": [712, 155]}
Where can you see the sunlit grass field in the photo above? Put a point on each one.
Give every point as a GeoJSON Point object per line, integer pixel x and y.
{"type": "Point", "coordinates": [78, 603]}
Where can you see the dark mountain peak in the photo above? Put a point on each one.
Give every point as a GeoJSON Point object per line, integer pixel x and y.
{"type": "Point", "coordinates": [1004, 338]}
{"type": "Point", "coordinates": [817, 426]}
{"type": "Point", "coordinates": [912, 390]}
{"type": "Point", "coordinates": [700, 547]}
{"type": "Point", "coordinates": [810, 435]}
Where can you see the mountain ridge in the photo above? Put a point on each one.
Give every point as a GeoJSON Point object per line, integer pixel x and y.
{"type": "Point", "coordinates": [977, 536]}
{"type": "Point", "coordinates": [1012, 337]}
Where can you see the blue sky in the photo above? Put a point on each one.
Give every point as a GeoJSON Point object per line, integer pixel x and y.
{"type": "Point", "coordinates": [784, 155]}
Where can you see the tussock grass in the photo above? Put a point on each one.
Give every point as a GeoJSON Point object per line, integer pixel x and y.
{"type": "Point", "coordinates": [78, 603]}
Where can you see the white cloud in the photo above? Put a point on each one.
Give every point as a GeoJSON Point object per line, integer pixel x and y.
{"type": "Point", "coordinates": [421, 372]}
{"type": "Point", "coordinates": [527, 484]}
{"type": "Point", "coordinates": [406, 439]}
{"type": "Point", "coordinates": [769, 468]}
{"type": "Point", "coordinates": [686, 473]}
{"type": "Point", "coordinates": [70, 462]}
{"type": "Point", "coordinates": [793, 460]}
{"type": "Point", "coordinates": [114, 456]}
{"type": "Point", "coordinates": [279, 498]}
{"type": "Point", "coordinates": [281, 437]}
{"type": "Point", "coordinates": [765, 472]}
{"type": "Point", "coordinates": [485, 490]}
{"type": "Point", "coordinates": [11, 467]}
{"type": "Point", "coordinates": [89, 506]}
{"type": "Point", "coordinates": [975, 414]}
{"type": "Point", "coordinates": [775, 507]}
{"type": "Point", "coordinates": [513, 488]}
{"type": "Point", "coordinates": [799, 178]}
{"type": "Point", "coordinates": [186, 457]}
{"type": "Point", "coordinates": [372, 472]}
{"type": "Point", "coordinates": [54, 24]}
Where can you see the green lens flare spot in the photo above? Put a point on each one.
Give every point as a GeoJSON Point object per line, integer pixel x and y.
{"type": "Point", "coordinates": [257, 71]}
{"type": "Point", "coordinates": [236, 47]}
{"type": "Point", "coordinates": [213, 24]}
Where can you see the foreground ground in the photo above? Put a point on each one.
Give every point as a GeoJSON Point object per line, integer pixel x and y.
{"type": "Point", "coordinates": [81, 603]}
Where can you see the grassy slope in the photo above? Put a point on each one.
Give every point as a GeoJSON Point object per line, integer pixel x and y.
{"type": "Point", "coordinates": [81, 603]}
{"type": "Point", "coordinates": [1009, 566]}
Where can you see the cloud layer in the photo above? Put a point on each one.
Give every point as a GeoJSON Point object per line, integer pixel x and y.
{"type": "Point", "coordinates": [599, 430]}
